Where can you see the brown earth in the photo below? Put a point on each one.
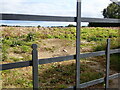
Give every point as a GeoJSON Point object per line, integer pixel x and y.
{"type": "Point", "coordinates": [58, 47]}
{"type": "Point", "coordinates": [65, 47]}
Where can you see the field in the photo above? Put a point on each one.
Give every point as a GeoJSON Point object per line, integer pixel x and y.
{"type": "Point", "coordinates": [53, 42]}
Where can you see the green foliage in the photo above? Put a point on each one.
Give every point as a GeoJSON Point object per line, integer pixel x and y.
{"type": "Point", "coordinates": [7, 41]}
{"type": "Point", "coordinates": [115, 62]}
{"type": "Point", "coordinates": [54, 75]}
{"type": "Point", "coordinates": [16, 79]}
{"type": "Point", "coordinates": [26, 57]}
{"type": "Point", "coordinates": [38, 26]}
{"type": "Point", "coordinates": [5, 52]}
{"type": "Point", "coordinates": [71, 25]}
{"type": "Point", "coordinates": [100, 46]}
{"type": "Point", "coordinates": [16, 42]}
{"type": "Point", "coordinates": [30, 37]}
{"type": "Point", "coordinates": [16, 50]}
{"type": "Point", "coordinates": [15, 59]}
{"type": "Point", "coordinates": [114, 44]}
{"type": "Point", "coordinates": [25, 49]}
{"type": "Point", "coordinates": [51, 49]}
{"type": "Point", "coordinates": [95, 24]}
{"type": "Point", "coordinates": [89, 76]}
{"type": "Point", "coordinates": [112, 11]}
{"type": "Point", "coordinates": [65, 75]}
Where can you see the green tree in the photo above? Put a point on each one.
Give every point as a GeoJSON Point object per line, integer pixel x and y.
{"type": "Point", "coordinates": [71, 25]}
{"type": "Point", "coordinates": [112, 11]}
{"type": "Point", "coordinates": [38, 26]}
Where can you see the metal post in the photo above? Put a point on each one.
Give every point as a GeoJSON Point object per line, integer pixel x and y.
{"type": "Point", "coordinates": [78, 27]}
{"type": "Point", "coordinates": [35, 66]}
{"type": "Point", "coordinates": [107, 64]}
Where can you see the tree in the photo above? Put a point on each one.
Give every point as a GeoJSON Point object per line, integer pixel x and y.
{"type": "Point", "coordinates": [112, 11]}
{"type": "Point", "coordinates": [38, 26]}
{"type": "Point", "coordinates": [71, 25]}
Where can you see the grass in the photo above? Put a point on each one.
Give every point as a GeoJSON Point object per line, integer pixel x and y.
{"type": "Point", "coordinates": [60, 76]}
{"type": "Point", "coordinates": [115, 62]}
{"type": "Point", "coordinates": [17, 78]}
{"type": "Point", "coordinates": [18, 41]}
{"type": "Point", "coordinates": [23, 38]}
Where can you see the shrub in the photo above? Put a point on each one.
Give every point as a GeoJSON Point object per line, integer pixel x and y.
{"type": "Point", "coordinates": [30, 37]}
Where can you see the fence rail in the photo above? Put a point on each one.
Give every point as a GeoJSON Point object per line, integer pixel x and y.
{"type": "Point", "coordinates": [22, 17]}
{"type": "Point", "coordinates": [54, 59]}
{"type": "Point", "coordinates": [35, 61]}
{"type": "Point", "coordinates": [94, 82]}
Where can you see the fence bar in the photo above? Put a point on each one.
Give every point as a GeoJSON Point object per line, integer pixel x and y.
{"type": "Point", "coordinates": [25, 17]}
{"type": "Point", "coordinates": [97, 81]}
{"type": "Point", "coordinates": [35, 66]}
{"type": "Point", "coordinates": [100, 20]}
{"type": "Point", "coordinates": [107, 64]}
{"type": "Point", "coordinates": [94, 82]}
{"type": "Point", "coordinates": [54, 59]}
{"type": "Point", "coordinates": [78, 23]}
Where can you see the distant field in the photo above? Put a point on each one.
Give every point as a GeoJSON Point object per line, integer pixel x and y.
{"type": "Point", "coordinates": [52, 42]}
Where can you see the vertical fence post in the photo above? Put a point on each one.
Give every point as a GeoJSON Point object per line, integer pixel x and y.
{"type": "Point", "coordinates": [78, 27]}
{"type": "Point", "coordinates": [107, 64]}
{"type": "Point", "coordinates": [35, 66]}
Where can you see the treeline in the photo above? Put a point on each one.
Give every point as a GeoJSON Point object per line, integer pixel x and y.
{"type": "Point", "coordinates": [14, 26]}
{"type": "Point", "coordinates": [70, 25]}
{"type": "Point", "coordinates": [104, 25]}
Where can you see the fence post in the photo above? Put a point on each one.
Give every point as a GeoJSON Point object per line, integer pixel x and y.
{"type": "Point", "coordinates": [107, 64]}
{"type": "Point", "coordinates": [78, 27]}
{"type": "Point", "coordinates": [35, 66]}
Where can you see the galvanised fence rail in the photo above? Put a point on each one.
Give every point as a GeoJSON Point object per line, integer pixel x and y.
{"type": "Point", "coordinates": [35, 61]}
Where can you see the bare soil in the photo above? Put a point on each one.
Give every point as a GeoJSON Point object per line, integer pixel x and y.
{"type": "Point", "coordinates": [57, 47]}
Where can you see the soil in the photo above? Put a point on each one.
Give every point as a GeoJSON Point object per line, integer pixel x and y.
{"type": "Point", "coordinates": [57, 47]}
{"type": "Point", "coordinates": [65, 47]}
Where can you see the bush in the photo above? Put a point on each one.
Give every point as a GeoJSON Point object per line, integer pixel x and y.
{"type": "Point", "coordinates": [30, 37]}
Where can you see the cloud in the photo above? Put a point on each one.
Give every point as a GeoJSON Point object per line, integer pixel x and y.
{"type": "Point", "coordinates": [39, 8]}
{"type": "Point", "coordinates": [92, 8]}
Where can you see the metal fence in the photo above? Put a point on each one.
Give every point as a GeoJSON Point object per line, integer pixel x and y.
{"type": "Point", "coordinates": [35, 61]}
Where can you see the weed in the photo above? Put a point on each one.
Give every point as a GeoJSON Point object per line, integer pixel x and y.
{"type": "Point", "coordinates": [15, 59]}
{"type": "Point", "coordinates": [5, 52]}
{"type": "Point", "coordinates": [25, 49]}
{"type": "Point", "coordinates": [17, 50]}
{"type": "Point", "coordinates": [26, 57]}
{"type": "Point", "coordinates": [30, 37]}
{"type": "Point", "coordinates": [65, 74]}
{"type": "Point", "coordinates": [16, 42]}
{"type": "Point", "coordinates": [51, 49]}
{"type": "Point", "coordinates": [115, 62]}
{"type": "Point", "coordinates": [7, 41]}
{"type": "Point", "coordinates": [54, 75]}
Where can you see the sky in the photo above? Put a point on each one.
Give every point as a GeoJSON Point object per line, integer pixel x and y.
{"type": "Point", "coordinates": [90, 8]}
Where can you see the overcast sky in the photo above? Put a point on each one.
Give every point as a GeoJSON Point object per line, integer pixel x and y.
{"type": "Point", "coordinates": [90, 8]}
